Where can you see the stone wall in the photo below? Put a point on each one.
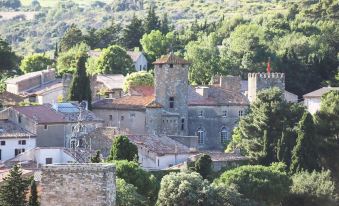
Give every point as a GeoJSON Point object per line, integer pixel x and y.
{"type": "Point", "coordinates": [78, 185]}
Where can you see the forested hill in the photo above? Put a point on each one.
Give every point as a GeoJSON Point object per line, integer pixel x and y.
{"type": "Point", "coordinates": [35, 26]}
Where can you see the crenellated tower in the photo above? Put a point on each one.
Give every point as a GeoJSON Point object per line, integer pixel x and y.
{"type": "Point", "coordinates": [260, 81]}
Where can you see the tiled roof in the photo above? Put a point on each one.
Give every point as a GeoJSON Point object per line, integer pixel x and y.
{"type": "Point", "coordinates": [44, 88]}
{"type": "Point", "coordinates": [126, 102]}
{"type": "Point", "coordinates": [71, 112]}
{"type": "Point", "coordinates": [171, 59]}
{"type": "Point", "coordinates": [320, 92]}
{"type": "Point", "coordinates": [17, 79]}
{"type": "Point", "coordinates": [134, 55]}
{"type": "Point", "coordinates": [142, 90]}
{"type": "Point", "coordinates": [10, 130]}
{"type": "Point", "coordinates": [111, 81]}
{"type": "Point", "coordinates": [160, 145]}
{"type": "Point", "coordinates": [218, 156]}
{"type": "Point", "coordinates": [41, 114]}
{"type": "Point", "coordinates": [217, 96]}
{"type": "Point", "coordinates": [10, 98]}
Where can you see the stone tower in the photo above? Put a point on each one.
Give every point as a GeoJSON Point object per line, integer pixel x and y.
{"type": "Point", "coordinates": [171, 89]}
{"type": "Point", "coordinates": [260, 81]}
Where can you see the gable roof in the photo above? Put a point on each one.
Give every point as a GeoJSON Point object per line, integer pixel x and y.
{"type": "Point", "coordinates": [320, 92]}
{"type": "Point", "coordinates": [10, 130]}
{"type": "Point", "coordinates": [111, 81]}
{"type": "Point", "coordinates": [10, 98]}
{"type": "Point", "coordinates": [42, 114]}
{"type": "Point", "coordinates": [127, 102]}
{"type": "Point", "coordinates": [171, 59]}
{"type": "Point", "coordinates": [134, 55]}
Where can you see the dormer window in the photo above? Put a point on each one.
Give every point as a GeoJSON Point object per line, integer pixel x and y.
{"type": "Point", "coordinates": [171, 102]}
{"type": "Point", "coordinates": [171, 65]}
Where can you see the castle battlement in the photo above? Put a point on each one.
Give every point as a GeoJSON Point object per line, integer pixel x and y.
{"type": "Point", "coordinates": [275, 75]}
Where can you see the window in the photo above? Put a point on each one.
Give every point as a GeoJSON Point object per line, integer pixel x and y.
{"type": "Point", "coordinates": [171, 65]}
{"type": "Point", "coordinates": [140, 68]}
{"type": "Point", "coordinates": [122, 118]}
{"type": "Point", "coordinates": [223, 135]}
{"type": "Point", "coordinates": [158, 162]}
{"type": "Point", "coordinates": [0, 154]}
{"type": "Point", "coordinates": [171, 102]}
{"type": "Point", "coordinates": [224, 113]}
{"type": "Point", "coordinates": [110, 117]}
{"type": "Point", "coordinates": [182, 124]}
{"type": "Point", "coordinates": [18, 151]}
{"type": "Point", "coordinates": [2, 143]}
{"type": "Point", "coordinates": [22, 142]}
{"type": "Point", "coordinates": [132, 115]}
{"type": "Point", "coordinates": [45, 126]}
{"type": "Point", "coordinates": [160, 65]}
{"type": "Point", "coordinates": [19, 119]}
{"type": "Point", "coordinates": [201, 113]}
{"type": "Point", "coordinates": [49, 161]}
{"type": "Point", "coordinates": [241, 113]}
{"type": "Point", "coordinates": [201, 136]}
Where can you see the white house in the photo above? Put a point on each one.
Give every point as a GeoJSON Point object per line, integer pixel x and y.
{"type": "Point", "coordinates": [139, 60]}
{"type": "Point", "coordinates": [312, 100]}
{"type": "Point", "coordinates": [156, 153]}
{"type": "Point", "coordinates": [14, 140]}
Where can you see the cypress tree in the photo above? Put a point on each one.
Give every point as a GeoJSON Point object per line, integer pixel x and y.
{"type": "Point", "coordinates": [304, 153]}
{"type": "Point", "coordinates": [203, 165]}
{"type": "Point", "coordinates": [164, 28]}
{"type": "Point", "coordinates": [123, 149]}
{"type": "Point", "coordinates": [33, 198]}
{"type": "Point", "coordinates": [80, 88]}
{"type": "Point", "coordinates": [96, 158]}
{"type": "Point", "coordinates": [13, 189]}
{"type": "Point", "coordinates": [56, 52]}
{"type": "Point", "coordinates": [133, 33]}
{"type": "Point", "coordinates": [152, 21]}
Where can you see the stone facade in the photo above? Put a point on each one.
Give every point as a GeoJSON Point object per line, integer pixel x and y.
{"type": "Point", "coordinates": [260, 81]}
{"type": "Point", "coordinates": [78, 185]}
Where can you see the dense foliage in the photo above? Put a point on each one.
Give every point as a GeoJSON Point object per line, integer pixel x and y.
{"type": "Point", "coordinates": [138, 79]}
{"type": "Point", "coordinates": [67, 61]}
{"type": "Point", "coordinates": [203, 165]}
{"type": "Point", "coordinates": [127, 194]}
{"type": "Point", "coordinates": [35, 62]}
{"type": "Point", "coordinates": [123, 149]}
{"type": "Point", "coordinates": [33, 196]}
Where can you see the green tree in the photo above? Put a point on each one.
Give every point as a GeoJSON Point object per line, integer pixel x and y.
{"type": "Point", "coordinates": [145, 182]}
{"type": "Point", "coordinates": [14, 188]}
{"type": "Point", "coordinates": [114, 60]}
{"type": "Point", "coordinates": [133, 32]}
{"type": "Point", "coordinates": [203, 165]}
{"type": "Point", "coordinates": [8, 59]}
{"type": "Point", "coordinates": [96, 158]}
{"type": "Point", "coordinates": [127, 194]}
{"type": "Point", "coordinates": [72, 37]}
{"type": "Point", "coordinates": [33, 197]}
{"type": "Point", "coordinates": [141, 78]}
{"type": "Point", "coordinates": [152, 21]}
{"type": "Point", "coordinates": [304, 153]}
{"type": "Point", "coordinates": [67, 61]}
{"type": "Point", "coordinates": [108, 36]}
{"type": "Point", "coordinates": [266, 185]}
{"type": "Point", "coordinates": [123, 149]}
{"type": "Point", "coordinates": [164, 27]}
{"type": "Point", "coordinates": [80, 88]}
{"type": "Point", "coordinates": [35, 62]}
{"type": "Point", "coordinates": [154, 44]}
{"type": "Point", "coordinates": [312, 188]}
{"type": "Point", "coordinates": [204, 56]}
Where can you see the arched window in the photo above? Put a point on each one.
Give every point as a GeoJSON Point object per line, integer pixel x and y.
{"type": "Point", "coordinates": [224, 135]}
{"type": "Point", "coordinates": [201, 136]}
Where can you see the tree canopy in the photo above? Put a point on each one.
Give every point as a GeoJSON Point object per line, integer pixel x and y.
{"type": "Point", "coordinates": [72, 37]}
{"type": "Point", "coordinates": [67, 61]}
{"type": "Point", "coordinates": [35, 62]}
{"type": "Point", "coordinates": [141, 78]}
{"type": "Point", "coordinates": [123, 149]}
{"type": "Point", "coordinates": [8, 59]}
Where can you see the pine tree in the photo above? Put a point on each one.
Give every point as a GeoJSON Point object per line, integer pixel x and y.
{"type": "Point", "coordinates": [164, 27]}
{"type": "Point", "coordinates": [152, 21]}
{"type": "Point", "coordinates": [133, 33]}
{"type": "Point", "coordinates": [72, 37]}
{"type": "Point", "coordinates": [96, 158]}
{"type": "Point", "coordinates": [304, 153]}
{"type": "Point", "coordinates": [13, 189]}
{"type": "Point", "coordinates": [33, 198]}
{"type": "Point", "coordinates": [80, 88]}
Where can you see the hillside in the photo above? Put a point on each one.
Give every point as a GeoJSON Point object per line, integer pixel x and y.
{"type": "Point", "coordinates": [52, 18]}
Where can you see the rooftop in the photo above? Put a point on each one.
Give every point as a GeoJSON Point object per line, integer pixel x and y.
{"type": "Point", "coordinates": [216, 97]}
{"type": "Point", "coordinates": [134, 55]}
{"type": "Point", "coordinates": [41, 114]}
{"type": "Point", "coordinates": [127, 102]}
{"type": "Point", "coordinates": [320, 92]}
{"type": "Point", "coordinates": [111, 81]}
{"type": "Point", "coordinates": [10, 98]}
{"type": "Point", "coordinates": [27, 76]}
{"type": "Point", "coordinates": [171, 59]}
{"type": "Point", "coordinates": [11, 130]}
{"type": "Point", "coordinates": [71, 112]}
{"type": "Point", "coordinates": [57, 83]}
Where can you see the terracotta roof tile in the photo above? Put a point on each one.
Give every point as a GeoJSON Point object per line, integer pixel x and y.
{"type": "Point", "coordinates": [10, 98]}
{"type": "Point", "coordinates": [126, 102]}
{"type": "Point", "coordinates": [41, 114]}
{"type": "Point", "coordinates": [171, 59]}
{"type": "Point", "coordinates": [142, 91]}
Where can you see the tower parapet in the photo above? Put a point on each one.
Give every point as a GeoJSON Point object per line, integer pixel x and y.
{"type": "Point", "coordinates": [260, 81]}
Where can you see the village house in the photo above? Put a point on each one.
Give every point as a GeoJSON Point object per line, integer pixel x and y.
{"type": "Point", "coordinates": [108, 86]}
{"type": "Point", "coordinates": [8, 99]}
{"type": "Point", "coordinates": [40, 87]}
{"type": "Point", "coordinates": [175, 109]}
{"type": "Point", "coordinates": [312, 100]}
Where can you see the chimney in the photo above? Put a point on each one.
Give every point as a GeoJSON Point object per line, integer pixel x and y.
{"type": "Point", "coordinates": [203, 91]}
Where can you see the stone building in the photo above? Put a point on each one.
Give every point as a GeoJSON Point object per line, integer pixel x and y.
{"type": "Point", "coordinates": [312, 100]}
{"type": "Point", "coordinates": [183, 112]}
{"type": "Point", "coordinates": [78, 185]}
